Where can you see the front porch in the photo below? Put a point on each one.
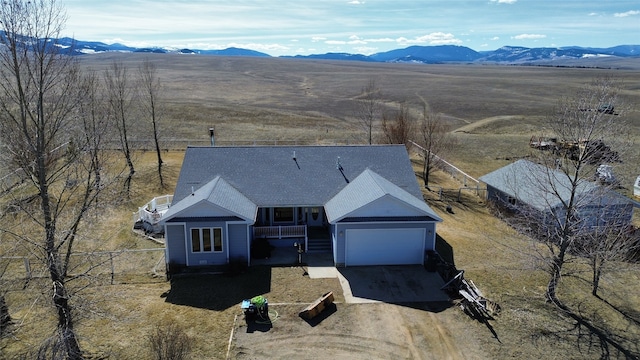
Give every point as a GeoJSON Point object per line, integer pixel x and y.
{"type": "Point", "coordinates": [284, 241]}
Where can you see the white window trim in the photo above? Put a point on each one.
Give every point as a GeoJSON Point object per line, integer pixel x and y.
{"type": "Point", "coordinates": [200, 229]}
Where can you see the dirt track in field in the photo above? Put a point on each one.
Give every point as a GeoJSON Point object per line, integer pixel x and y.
{"type": "Point", "coordinates": [469, 128]}
{"type": "Point", "coordinates": [354, 331]}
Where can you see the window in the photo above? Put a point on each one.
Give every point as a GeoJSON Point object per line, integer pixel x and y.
{"type": "Point", "coordinates": [206, 239]}
{"type": "Point", "coordinates": [283, 214]}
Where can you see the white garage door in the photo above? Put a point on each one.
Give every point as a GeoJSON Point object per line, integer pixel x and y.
{"type": "Point", "coordinates": [384, 246]}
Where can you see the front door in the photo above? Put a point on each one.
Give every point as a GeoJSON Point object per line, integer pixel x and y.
{"type": "Point", "coordinates": [315, 216]}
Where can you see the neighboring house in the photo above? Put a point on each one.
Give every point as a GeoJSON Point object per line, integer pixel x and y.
{"type": "Point", "coordinates": [524, 183]}
{"type": "Point", "coordinates": [366, 198]}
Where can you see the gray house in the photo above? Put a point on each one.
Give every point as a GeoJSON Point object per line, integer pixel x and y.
{"type": "Point", "coordinates": [364, 198]}
{"type": "Point", "coordinates": [526, 183]}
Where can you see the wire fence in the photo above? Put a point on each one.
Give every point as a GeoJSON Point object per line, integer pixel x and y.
{"type": "Point", "coordinates": [103, 267]}
{"type": "Point", "coordinates": [172, 144]}
{"type": "Point", "coordinates": [458, 194]}
{"type": "Point", "coordinates": [470, 185]}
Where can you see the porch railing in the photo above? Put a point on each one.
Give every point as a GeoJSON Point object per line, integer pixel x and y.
{"type": "Point", "coordinates": [279, 232]}
{"type": "Point", "coordinates": [153, 210]}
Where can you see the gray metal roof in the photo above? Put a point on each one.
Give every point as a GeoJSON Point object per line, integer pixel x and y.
{"type": "Point", "coordinates": [293, 175]}
{"type": "Point", "coordinates": [366, 188]}
{"type": "Point", "coordinates": [537, 186]}
{"type": "Point", "coordinates": [219, 193]}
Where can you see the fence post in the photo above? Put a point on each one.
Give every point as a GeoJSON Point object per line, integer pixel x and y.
{"type": "Point", "coordinates": [112, 268]}
{"type": "Point", "coordinates": [27, 267]}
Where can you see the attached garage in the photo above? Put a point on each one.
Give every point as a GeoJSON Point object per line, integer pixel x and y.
{"type": "Point", "coordinates": [384, 246]}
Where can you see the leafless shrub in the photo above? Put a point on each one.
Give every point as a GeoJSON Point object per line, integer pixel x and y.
{"type": "Point", "coordinates": [169, 342]}
{"type": "Point", "coordinates": [397, 128]}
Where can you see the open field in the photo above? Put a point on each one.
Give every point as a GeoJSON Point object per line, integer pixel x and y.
{"type": "Point", "coordinates": [293, 100]}
{"type": "Point", "coordinates": [495, 110]}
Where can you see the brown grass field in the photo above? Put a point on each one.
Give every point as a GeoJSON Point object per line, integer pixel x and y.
{"type": "Point", "coordinates": [495, 110]}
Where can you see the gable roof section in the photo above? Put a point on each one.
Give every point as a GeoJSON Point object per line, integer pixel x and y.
{"type": "Point", "coordinates": [527, 181]}
{"type": "Point", "coordinates": [367, 188]}
{"type": "Point", "coordinates": [272, 176]}
{"type": "Point", "coordinates": [219, 193]}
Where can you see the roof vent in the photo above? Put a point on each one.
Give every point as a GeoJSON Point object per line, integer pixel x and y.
{"type": "Point", "coordinates": [295, 159]}
{"type": "Point", "coordinates": [212, 131]}
{"type": "Point", "coordinates": [339, 167]}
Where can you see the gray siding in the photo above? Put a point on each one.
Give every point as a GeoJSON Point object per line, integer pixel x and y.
{"type": "Point", "coordinates": [238, 242]}
{"type": "Point", "coordinates": [496, 195]}
{"type": "Point", "coordinates": [175, 244]}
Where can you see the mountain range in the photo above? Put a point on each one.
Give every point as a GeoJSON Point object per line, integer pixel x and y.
{"type": "Point", "coordinates": [412, 54]}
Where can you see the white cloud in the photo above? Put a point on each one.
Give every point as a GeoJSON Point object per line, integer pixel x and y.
{"type": "Point", "coordinates": [381, 40]}
{"type": "Point", "coordinates": [628, 13]}
{"type": "Point", "coordinates": [504, 1]}
{"type": "Point", "coordinates": [529, 36]}
{"type": "Point", "coordinates": [259, 46]}
{"type": "Point", "coordinates": [436, 38]}
{"type": "Point", "coordinates": [356, 2]}
{"type": "Point", "coordinates": [318, 38]}
{"type": "Point", "coordinates": [365, 50]}
{"type": "Point", "coordinates": [495, 38]}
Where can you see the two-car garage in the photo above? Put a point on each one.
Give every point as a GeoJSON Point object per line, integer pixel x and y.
{"type": "Point", "coordinates": [384, 246]}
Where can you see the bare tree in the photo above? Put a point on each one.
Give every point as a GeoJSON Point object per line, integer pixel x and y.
{"type": "Point", "coordinates": [151, 89]}
{"type": "Point", "coordinates": [398, 127]}
{"type": "Point", "coordinates": [120, 95]}
{"type": "Point", "coordinates": [151, 92]}
{"type": "Point", "coordinates": [369, 107]}
{"type": "Point", "coordinates": [562, 180]}
{"type": "Point", "coordinates": [40, 93]}
{"type": "Point", "coordinates": [5, 317]}
{"type": "Point", "coordinates": [435, 140]}
{"type": "Point", "coordinates": [607, 249]}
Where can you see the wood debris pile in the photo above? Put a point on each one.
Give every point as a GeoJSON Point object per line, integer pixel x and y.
{"type": "Point", "coordinates": [472, 301]}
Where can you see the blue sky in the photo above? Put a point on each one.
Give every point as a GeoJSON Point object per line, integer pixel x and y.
{"type": "Point", "coordinates": [354, 26]}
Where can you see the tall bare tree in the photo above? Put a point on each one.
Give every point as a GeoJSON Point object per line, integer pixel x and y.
{"type": "Point", "coordinates": [435, 140]}
{"type": "Point", "coordinates": [150, 102]}
{"type": "Point", "coordinates": [369, 107]}
{"type": "Point", "coordinates": [589, 137]}
{"type": "Point", "coordinates": [40, 93]}
{"type": "Point", "coordinates": [607, 249]}
{"type": "Point", "coordinates": [120, 94]}
{"type": "Point", "coordinates": [398, 126]}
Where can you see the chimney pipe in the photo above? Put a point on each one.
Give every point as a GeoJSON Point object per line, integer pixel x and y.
{"type": "Point", "coordinates": [212, 135]}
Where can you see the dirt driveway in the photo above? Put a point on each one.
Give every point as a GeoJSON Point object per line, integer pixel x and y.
{"type": "Point", "coordinates": [368, 330]}
{"type": "Point", "coordinates": [352, 331]}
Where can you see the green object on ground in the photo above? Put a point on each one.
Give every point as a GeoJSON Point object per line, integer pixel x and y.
{"type": "Point", "coordinates": [258, 301]}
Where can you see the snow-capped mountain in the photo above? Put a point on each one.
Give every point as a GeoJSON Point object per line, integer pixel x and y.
{"type": "Point", "coordinates": [412, 54]}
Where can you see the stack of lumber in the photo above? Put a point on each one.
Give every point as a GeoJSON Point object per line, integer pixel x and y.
{"type": "Point", "coordinates": [473, 301]}
{"type": "Point", "coordinates": [317, 306]}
